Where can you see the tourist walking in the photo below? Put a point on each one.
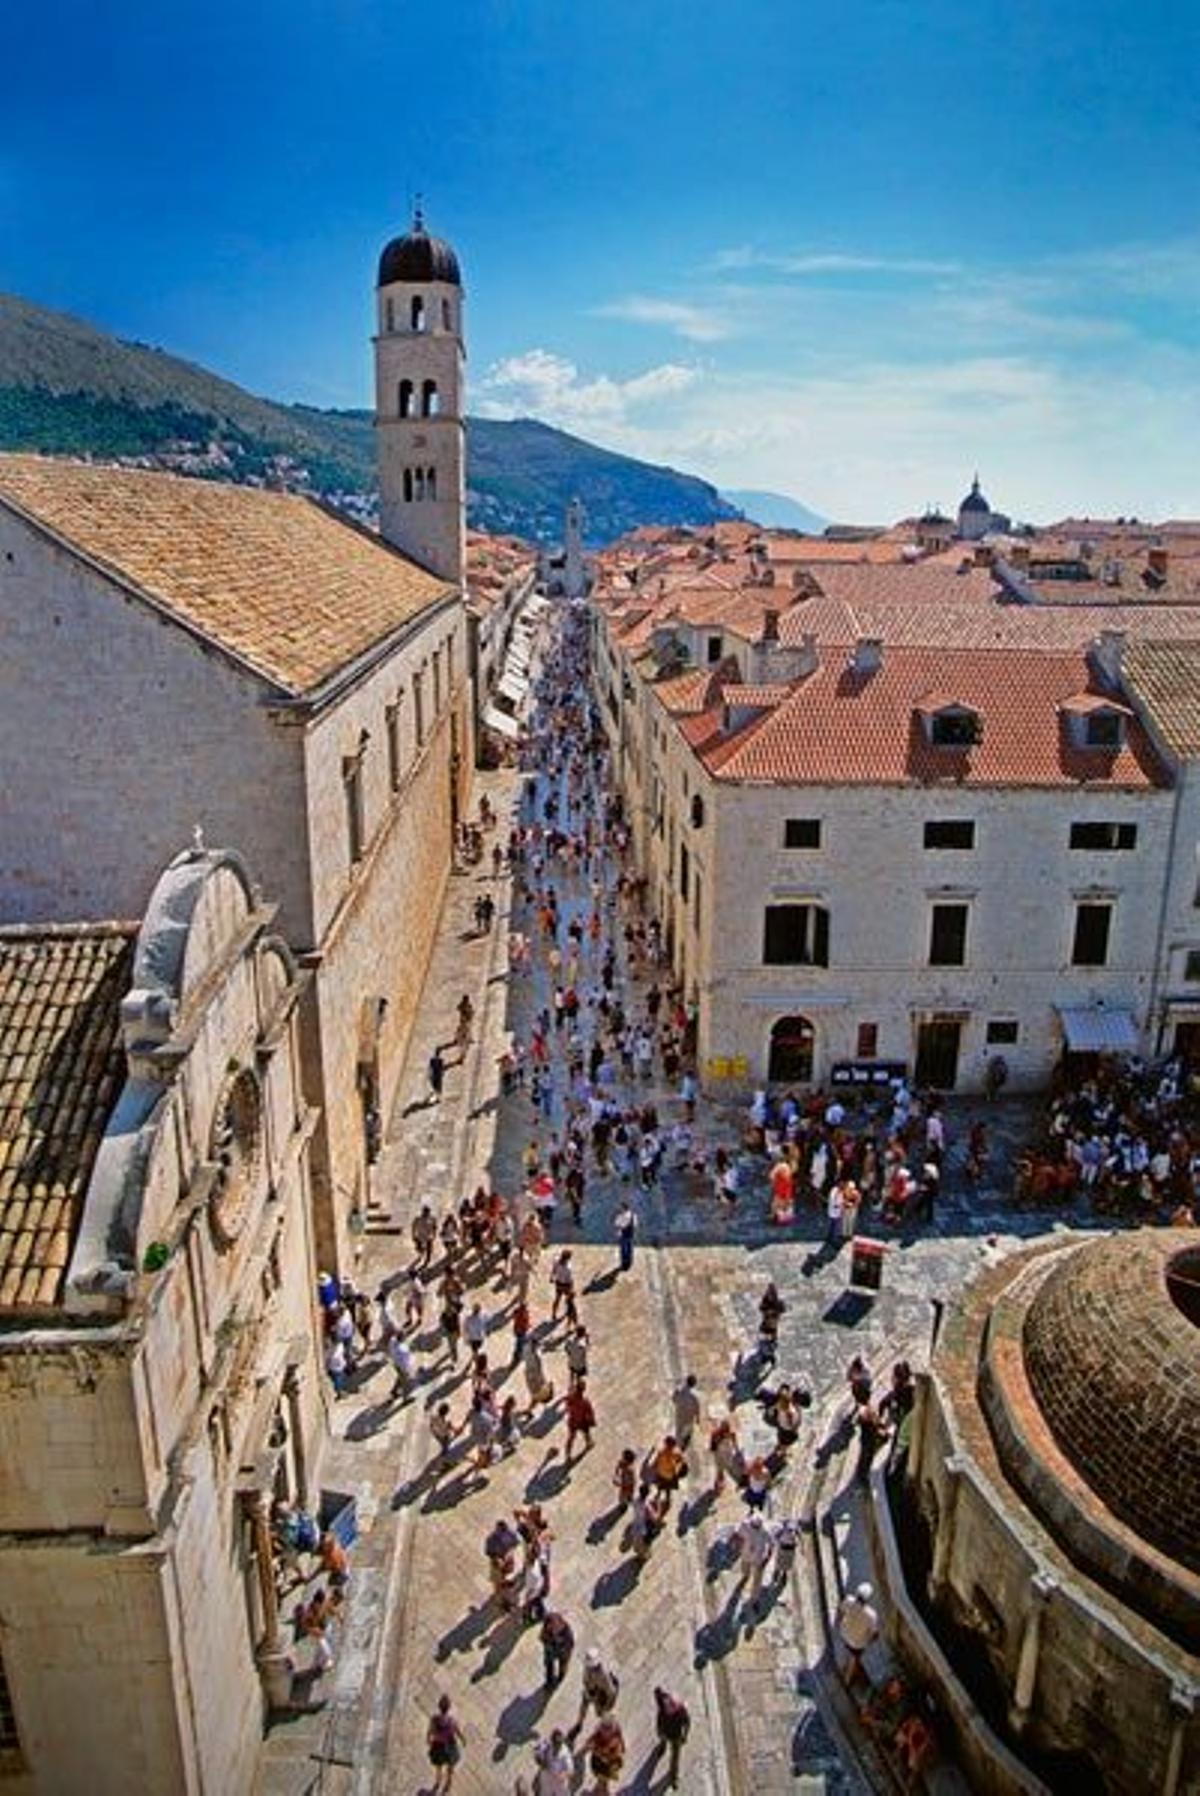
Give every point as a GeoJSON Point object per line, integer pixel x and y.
{"type": "Point", "coordinates": [858, 1627]}
{"type": "Point", "coordinates": [672, 1724]}
{"type": "Point", "coordinates": [625, 1224]}
{"type": "Point", "coordinates": [444, 1741]}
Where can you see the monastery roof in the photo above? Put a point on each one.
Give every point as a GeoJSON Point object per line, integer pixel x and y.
{"type": "Point", "coordinates": [290, 590]}
{"type": "Point", "coordinates": [840, 726]}
{"type": "Point", "coordinates": [61, 1070]}
{"type": "Point", "coordinates": [1166, 677]}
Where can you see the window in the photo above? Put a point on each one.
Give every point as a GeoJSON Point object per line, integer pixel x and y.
{"type": "Point", "coordinates": [684, 871]}
{"type": "Point", "coordinates": [437, 682]}
{"type": "Point", "coordinates": [713, 649]}
{"type": "Point", "coordinates": [447, 316]}
{"type": "Point", "coordinates": [419, 707]}
{"type": "Point", "coordinates": [697, 812]}
{"type": "Point", "coordinates": [405, 399]}
{"type": "Point", "coordinates": [1001, 1032]}
{"type": "Point", "coordinates": [419, 485]}
{"type": "Point", "coordinates": [391, 721]}
{"type": "Point", "coordinates": [353, 787]}
{"type": "Point", "coordinates": [10, 1739]}
{"type": "Point", "coordinates": [430, 404]}
{"type": "Point", "coordinates": [696, 903]}
{"type": "Point", "coordinates": [1103, 729]}
{"type": "Point", "coordinates": [431, 483]}
{"type": "Point", "coordinates": [945, 832]}
{"type": "Point", "coordinates": [796, 935]}
{"type": "Point", "coordinates": [802, 832]}
{"type": "Point", "coordinates": [948, 935]}
{"type": "Point", "coordinates": [954, 729]}
{"type": "Point", "coordinates": [866, 1046]}
{"type": "Point", "coordinates": [1092, 923]}
{"type": "Point", "coordinates": [1104, 836]}
{"type": "Point", "coordinates": [389, 315]}
{"type": "Point", "coordinates": [416, 313]}
{"type": "Point", "coordinates": [408, 486]}
{"type": "Point", "coordinates": [1191, 967]}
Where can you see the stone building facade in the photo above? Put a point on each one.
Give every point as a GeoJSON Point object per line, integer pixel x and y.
{"type": "Point", "coordinates": [180, 653]}
{"type": "Point", "coordinates": [159, 1383]}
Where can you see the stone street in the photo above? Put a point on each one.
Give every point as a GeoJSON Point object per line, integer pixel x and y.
{"type": "Point", "coordinates": [766, 1715]}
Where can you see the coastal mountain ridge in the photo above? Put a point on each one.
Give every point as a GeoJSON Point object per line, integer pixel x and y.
{"type": "Point", "coordinates": [68, 388]}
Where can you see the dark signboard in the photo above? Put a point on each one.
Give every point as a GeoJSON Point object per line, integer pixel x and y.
{"type": "Point", "coordinates": [867, 1072]}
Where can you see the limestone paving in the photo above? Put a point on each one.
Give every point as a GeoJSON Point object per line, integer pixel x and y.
{"type": "Point", "coordinates": [420, 1620]}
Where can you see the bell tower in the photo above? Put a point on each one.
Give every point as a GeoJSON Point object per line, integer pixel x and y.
{"type": "Point", "coordinates": [420, 434]}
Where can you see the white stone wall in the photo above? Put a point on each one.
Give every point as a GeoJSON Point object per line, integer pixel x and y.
{"type": "Point", "coordinates": [118, 732]}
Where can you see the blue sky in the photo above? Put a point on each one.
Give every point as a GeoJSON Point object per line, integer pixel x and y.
{"type": "Point", "coordinates": [848, 253]}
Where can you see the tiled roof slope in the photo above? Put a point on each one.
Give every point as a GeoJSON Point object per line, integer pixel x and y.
{"type": "Point", "coordinates": [270, 577]}
{"type": "Point", "coordinates": [842, 727]}
{"type": "Point", "coordinates": [61, 1069]}
{"type": "Point", "coordinates": [1166, 677]}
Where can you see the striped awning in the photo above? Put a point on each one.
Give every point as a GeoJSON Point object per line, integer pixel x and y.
{"type": "Point", "coordinates": [1099, 1030]}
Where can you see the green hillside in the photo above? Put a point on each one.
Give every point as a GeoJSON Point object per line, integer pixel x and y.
{"type": "Point", "coordinates": [67, 388]}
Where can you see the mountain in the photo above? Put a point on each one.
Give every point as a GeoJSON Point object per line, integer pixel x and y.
{"type": "Point", "coordinates": [777, 511]}
{"type": "Point", "coordinates": [67, 388]}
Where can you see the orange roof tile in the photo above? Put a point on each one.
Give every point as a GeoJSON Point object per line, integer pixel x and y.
{"type": "Point", "coordinates": [61, 1071]}
{"type": "Point", "coordinates": [290, 590]}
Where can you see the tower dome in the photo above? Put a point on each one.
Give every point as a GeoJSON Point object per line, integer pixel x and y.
{"type": "Point", "coordinates": [975, 500]}
{"type": "Point", "coordinates": [418, 257]}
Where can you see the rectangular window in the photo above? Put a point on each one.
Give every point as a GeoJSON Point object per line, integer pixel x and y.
{"type": "Point", "coordinates": [1191, 967]}
{"type": "Point", "coordinates": [945, 832]}
{"type": "Point", "coordinates": [1103, 729]}
{"type": "Point", "coordinates": [419, 707]}
{"type": "Point", "coordinates": [802, 832]}
{"type": "Point", "coordinates": [1092, 924]}
{"type": "Point", "coordinates": [391, 719]}
{"type": "Point", "coordinates": [1001, 1032]}
{"type": "Point", "coordinates": [1104, 836]}
{"type": "Point", "coordinates": [713, 649]}
{"type": "Point", "coordinates": [355, 832]}
{"type": "Point", "coordinates": [684, 870]}
{"type": "Point", "coordinates": [796, 935]}
{"type": "Point", "coordinates": [948, 935]}
{"type": "Point", "coordinates": [437, 682]}
{"type": "Point", "coordinates": [866, 1046]}
{"type": "Point", "coordinates": [10, 1740]}
{"type": "Point", "coordinates": [696, 903]}
{"type": "Point", "coordinates": [954, 729]}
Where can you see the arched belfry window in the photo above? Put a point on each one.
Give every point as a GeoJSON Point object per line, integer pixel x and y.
{"type": "Point", "coordinates": [430, 403]}
{"type": "Point", "coordinates": [408, 486]}
{"type": "Point", "coordinates": [407, 397]}
{"type": "Point", "coordinates": [447, 316]}
{"type": "Point", "coordinates": [417, 312]}
{"type": "Point", "coordinates": [431, 483]}
{"type": "Point", "coordinates": [389, 310]}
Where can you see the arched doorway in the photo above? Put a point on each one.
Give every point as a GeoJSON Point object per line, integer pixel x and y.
{"type": "Point", "coordinates": [791, 1058]}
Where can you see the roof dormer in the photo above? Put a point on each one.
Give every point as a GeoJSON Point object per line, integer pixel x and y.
{"type": "Point", "coordinates": [1095, 721]}
{"type": "Point", "coordinates": [948, 722]}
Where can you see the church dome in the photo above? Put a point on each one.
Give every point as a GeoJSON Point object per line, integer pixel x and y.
{"type": "Point", "coordinates": [975, 500]}
{"type": "Point", "coordinates": [418, 257]}
{"type": "Point", "coordinates": [1112, 1354]}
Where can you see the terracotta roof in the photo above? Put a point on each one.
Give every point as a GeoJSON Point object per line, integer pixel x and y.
{"type": "Point", "coordinates": [272, 578]}
{"type": "Point", "coordinates": [843, 727]}
{"type": "Point", "coordinates": [61, 1070]}
{"type": "Point", "coordinates": [1166, 678]}
{"type": "Point", "coordinates": [685, 692]}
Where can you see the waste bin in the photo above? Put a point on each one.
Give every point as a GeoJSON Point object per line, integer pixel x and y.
{"type": "Point", "coordinates": [866, 1263]}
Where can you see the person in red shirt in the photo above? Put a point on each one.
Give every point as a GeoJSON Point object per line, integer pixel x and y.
{"type": "Point", "coordinates": [581, 1417]}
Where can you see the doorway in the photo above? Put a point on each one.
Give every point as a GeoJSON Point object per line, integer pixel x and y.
{"type": "Point", "coordinates": [937, 1053]}
{"type": "Point", "coordinates": [1187, 1043]}
{"type": "Point", "coordinates": [791, 1057]}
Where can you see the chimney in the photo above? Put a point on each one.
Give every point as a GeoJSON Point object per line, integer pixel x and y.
{"type": "Point", "coordinates": [1110, 653]}
{"type": "Point", "coordinates": [770, 625]}
{"type": "Point", "coordinates": [868, 655]}
{"type": "Point", "coordinates": [1019, 555]}
{"type": "Point", "coordinates": [985, 555]}
{"type": "Point", "coordinates": [1158, 562]}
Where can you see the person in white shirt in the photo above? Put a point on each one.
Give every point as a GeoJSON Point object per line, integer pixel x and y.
{"type": "Point", "coordinates": [858, 1628]}
{"type": "Point", "coordinates": [834, 1205]}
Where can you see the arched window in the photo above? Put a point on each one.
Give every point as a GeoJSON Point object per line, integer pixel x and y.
{"type": "Point", "coordinates": [389, 314]}
{"type": "Point", "coordinates": [417, 313]}
{"type": "Point", "coordinates": [447, 316]}
{"type": "Point", "coordinates": [407, 395]}
{"type": "Point", "coordinates": [419, 484]}
{"type": "Point", "coordinates": [408, 486]}
{"type": "Point", "coordinates": [430, 403]}
{"type": "Point", "coordinates": [431, 483]}
{"type": "Point", "coordinates": [791, 1061]}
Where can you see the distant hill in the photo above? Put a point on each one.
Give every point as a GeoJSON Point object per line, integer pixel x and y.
{"type": "Point", "coordinates": [67, 388]}
{"type": "Point", "coordinates": [777, 511]}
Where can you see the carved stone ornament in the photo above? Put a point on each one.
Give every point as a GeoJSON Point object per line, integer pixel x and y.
{"type": "Point", "coordinates": [236, 1151]}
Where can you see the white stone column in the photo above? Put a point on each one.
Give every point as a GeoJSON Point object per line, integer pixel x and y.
{"type": "Point", "coordinates": [1182, 1703]}
{"type": "Point", "coordinates": [273, 1667]}
{"type": "Point", "coordinates": [1042, 1586]}
{"type": "Point", "coordinates": [943, 1544]}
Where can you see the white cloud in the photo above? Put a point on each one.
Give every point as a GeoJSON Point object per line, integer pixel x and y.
{"type": "Point", "coordinates": [698, 324]}
{"type": "Point", "coordinates": [550, 387]}
{"type": "Point", "coordinates": [828, 262]}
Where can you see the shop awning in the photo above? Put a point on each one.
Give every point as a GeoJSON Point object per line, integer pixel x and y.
{"type": "Point", "coordinates": [1099, 1030]}
{"type": "Point", "coordinates": [502, 723]}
